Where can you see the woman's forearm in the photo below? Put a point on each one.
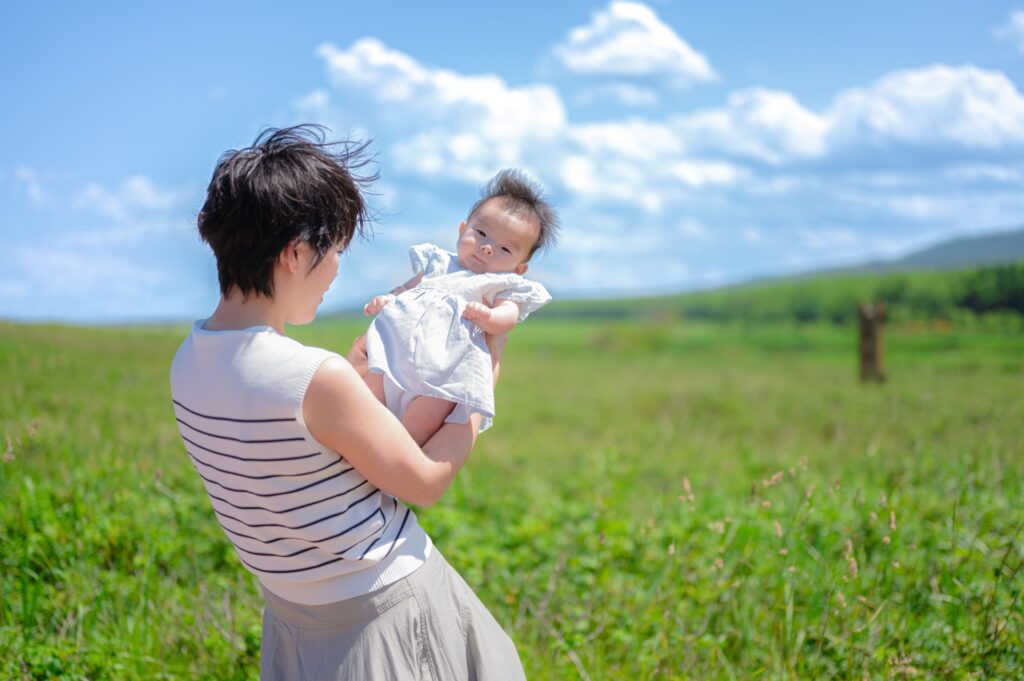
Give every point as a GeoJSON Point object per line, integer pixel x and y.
{"type": "Point", "coordinates": [449, 449]}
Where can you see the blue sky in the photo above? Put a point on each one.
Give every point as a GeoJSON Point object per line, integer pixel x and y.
{"type": "Point", "coordinates": [686, 144]}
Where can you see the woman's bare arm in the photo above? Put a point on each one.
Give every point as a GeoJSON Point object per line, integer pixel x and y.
{"type": "Point", "coordinates": [342, 413]}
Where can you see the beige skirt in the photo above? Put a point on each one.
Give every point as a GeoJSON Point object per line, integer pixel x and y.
{"type": "Point", "coordinates": [427, 626]}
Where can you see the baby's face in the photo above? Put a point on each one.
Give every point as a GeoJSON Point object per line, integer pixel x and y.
{"type": "Point", "coordinates": [492, 240]}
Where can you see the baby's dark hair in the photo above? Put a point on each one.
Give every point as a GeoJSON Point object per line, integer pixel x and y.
{"type": "Point", "coordinates": [291, 184]}
{"type": "Point", "coordinates": [522, 194]}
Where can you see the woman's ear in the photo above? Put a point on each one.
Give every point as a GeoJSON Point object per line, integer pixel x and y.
{"type": "Point", "coordinates": [290, 258]}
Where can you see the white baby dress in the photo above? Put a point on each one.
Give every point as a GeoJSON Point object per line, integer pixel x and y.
{"type": "Point", "coordinates": [423, 346]}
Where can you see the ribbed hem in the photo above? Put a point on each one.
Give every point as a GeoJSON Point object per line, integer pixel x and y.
{"type": "Point", "coordinates": [403, 561]}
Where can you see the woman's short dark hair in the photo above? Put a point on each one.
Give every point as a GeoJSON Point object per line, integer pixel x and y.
{"type": "Point", "coordinates": [291, 184]}
{"type": "Point", "coordinates": [520, 194]}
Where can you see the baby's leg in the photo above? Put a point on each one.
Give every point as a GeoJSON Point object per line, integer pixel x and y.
{"type": "Point", "coordinates": [424, 416]}
{"type": "Point", "coordinates": [375, 382]}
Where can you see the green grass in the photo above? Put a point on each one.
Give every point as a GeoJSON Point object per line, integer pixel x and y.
{"type": "Point", "coordinates": [656, 500]}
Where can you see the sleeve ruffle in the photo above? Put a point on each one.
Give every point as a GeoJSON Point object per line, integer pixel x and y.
{"type": "Point", "coordinates": [427, 258]}
{"type": "Point", "coordinates": [528, 295]}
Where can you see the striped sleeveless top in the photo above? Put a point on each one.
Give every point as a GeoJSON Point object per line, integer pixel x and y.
{"type": "Point", "coordinates": [301, 518]}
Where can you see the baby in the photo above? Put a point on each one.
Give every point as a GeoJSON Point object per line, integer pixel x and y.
{"type": "Point", "coordinates": [428, 358]}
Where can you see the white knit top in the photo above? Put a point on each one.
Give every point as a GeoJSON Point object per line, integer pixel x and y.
{"type": "Point", "coordinates": [301, 518]}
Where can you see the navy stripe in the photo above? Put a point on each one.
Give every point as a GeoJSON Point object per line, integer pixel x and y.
{"type": "Point", "coordinates": [263, 477]}
{"type": "Point", "coordinates": [397, 535]}
{"type": "Point", "coordinates": [349, 548]}
{"type": "Point", "coordinates": [274, 494]}
{"type": "Point", "coordinates": [277, 555]}
{"type": "Point", "coordinates": [235, 439]}
{"type": "Point", "coordinates": [242, 458]}
{"type": "Point", "coordinates": [310, 541]}
{"type": "Point", "coordinates": [288, 510]}
{"type": "Point", "coordinates": [384, 530]}
{"type": "Point", "coordinates": [302, 539]}
{"type": "Point", "coordinates": [227, 418]}
{"type": "Point", "coordinates": [305, 550]}
{"type": "Point", "coordinates": [300, 527]}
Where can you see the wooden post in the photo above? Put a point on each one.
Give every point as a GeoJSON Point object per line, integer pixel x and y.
{"type": "Point", "coordinates": [872, 348]}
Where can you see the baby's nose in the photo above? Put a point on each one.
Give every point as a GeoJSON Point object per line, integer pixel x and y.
{"type": "Point", "coordinates": [486, 249]}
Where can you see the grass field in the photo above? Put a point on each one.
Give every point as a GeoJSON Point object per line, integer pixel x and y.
{"type": "Point", "coordinates": [655, 501]}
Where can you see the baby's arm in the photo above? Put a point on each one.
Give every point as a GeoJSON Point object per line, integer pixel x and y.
{"type": "Point", "coordinates": [377, 303]}
{"type": "Point", "coordinates": [497, 320]}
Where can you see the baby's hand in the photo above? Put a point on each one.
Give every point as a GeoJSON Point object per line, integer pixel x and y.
{"type": "Point", "coordinates": [478, 313]}
{"type": "Point", "coordinates": [378, 303]}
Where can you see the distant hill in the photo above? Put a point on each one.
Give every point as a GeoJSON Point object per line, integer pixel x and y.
{"type": "Point", "coordinates": [998, 248]}
{"type": "Point", "coordinates": [963, 293]}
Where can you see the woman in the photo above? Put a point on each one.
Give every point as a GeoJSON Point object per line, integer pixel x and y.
{"type": "Point", "coordinates": [305, 469]}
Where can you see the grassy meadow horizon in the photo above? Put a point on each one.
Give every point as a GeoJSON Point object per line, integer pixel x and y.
{"type": "Point", "coordinates": [659, 498]}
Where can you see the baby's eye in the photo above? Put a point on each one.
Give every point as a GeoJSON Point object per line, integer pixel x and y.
{"type": "Point", "coordinates": [481, 232]}
{"type": "Point", "coordinates": [505, 248]}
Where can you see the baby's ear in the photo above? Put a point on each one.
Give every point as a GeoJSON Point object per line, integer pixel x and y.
{"type": "Point", "coordinates": [521, 268]}
{"type": "Point", "coordinates": [462, 227]}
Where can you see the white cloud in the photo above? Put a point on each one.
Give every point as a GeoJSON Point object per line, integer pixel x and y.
{"type": "Point", "coordinates": [637, 162]}
{"type": "Point", "coordinates": [623, 93]}
{"type": "Point", "coordinates": [445, 125]}
{"type": "Point", "coordinates": [779, 184]}
{"type": "Point", "coordinates": [981, 172]}
{"type": "Point", "coordinates": [129, 230]}
{"type": "Point", "coordinates": [760, 157]}
{"type": "Point", "coordinates": [611, 181]}
{"type": "Point", "coordinates": [936, 105]}
{"type": "Point", "coordinates": [636, 138]}
{"type": "Point", "coordinates": [693, 228]}
{"type": "Point", "coordinates": [317, 100]}
{"type": "Point", "coordinates": [884, 179]}
{"type": "Point", "coordinates": [627, 39]}
{"type": "Point", "coordinates": [937, 208]}
{"type": "Point", "coordinates": [587, 242]}
{"type": "Point", "coordinates": [1013, 30]}
{"type": "Point", "coordinates": [604, 273]}
{"type": "Point", "coordinates": [28, 178]}
{"type": "Point", "coordinates": [918, 206]}
{"type": "Point", "coordinates": [765, 125]}
{"type": "Point", "coordinates": [698, 174]}
{"type": "Point", "coordinates": [467, 125]}
{"type": "Point", "coordinates": [72, 272]}
{"type": "Point", "coordinates": [134, 194]}
{"type": "Point", "coordinates": [752, 235]}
